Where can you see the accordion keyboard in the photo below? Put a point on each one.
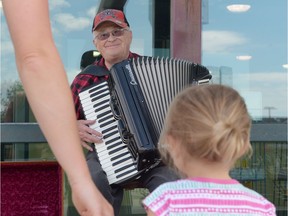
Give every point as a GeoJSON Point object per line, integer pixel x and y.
{"type": "Point", "coordinates": [114, 156]}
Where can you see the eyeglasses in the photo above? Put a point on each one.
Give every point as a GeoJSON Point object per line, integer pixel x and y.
{"type": "Point", "coordinates": [116, 33]}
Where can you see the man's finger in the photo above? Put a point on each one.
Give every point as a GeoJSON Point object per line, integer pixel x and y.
{"type": "Point", "coordinates": [87, 146]}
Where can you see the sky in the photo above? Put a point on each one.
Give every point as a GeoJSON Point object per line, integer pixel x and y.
{"type": "Point", "coordinates": [260, 32]}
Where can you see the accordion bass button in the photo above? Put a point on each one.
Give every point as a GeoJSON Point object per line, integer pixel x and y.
{"type": "Point", "coordinates": [124, 134]}
{"type": "Point", "coordinates": [115, 110]}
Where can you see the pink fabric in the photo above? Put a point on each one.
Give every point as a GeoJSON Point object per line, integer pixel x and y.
{"type": "Point", "coordinates": [206, 196]}
{"type": "Point", "coordinates": [31, 188]}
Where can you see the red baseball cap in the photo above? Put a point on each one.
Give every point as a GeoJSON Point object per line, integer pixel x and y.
{"type": "Point", "coordinates": [111, 15]}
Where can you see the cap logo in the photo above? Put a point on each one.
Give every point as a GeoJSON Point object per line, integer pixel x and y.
{"type": "Point", "coordinates": [107, 13]}
{"type": "Point", "coordinates": [112, 15]}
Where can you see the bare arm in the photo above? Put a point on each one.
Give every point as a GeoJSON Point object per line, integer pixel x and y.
{"type": "Point", "coordinates": [47, 89]}
{"type": "Point", "coordinates": [149, 212]}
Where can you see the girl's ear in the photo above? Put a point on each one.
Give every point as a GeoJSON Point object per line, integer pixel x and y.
{"type": "Point", "coordinates": [174, 146]}
{"type": "Point", "coordinates": [177, 153]}
{"type": "Point", "coordinates": [168, 141]}
{"type": "Point", "coordinates": [171, 141]}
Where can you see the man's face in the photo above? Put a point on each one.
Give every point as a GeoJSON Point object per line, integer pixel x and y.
{"type": "Point", "coordinates": [114, 49]}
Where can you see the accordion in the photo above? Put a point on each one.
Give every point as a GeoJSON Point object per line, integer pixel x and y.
{"type": "Point", "coordinates": [130, 108]}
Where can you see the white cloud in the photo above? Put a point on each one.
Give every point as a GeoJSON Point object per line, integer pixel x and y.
{"type": "Point", "coordinates": [92, 11]}
{"type": "Point", "coordinates": [264, 80]}
{"type": "Point", "coordinates": [268, 77]}
{"type": "Point", "coordinates": [221, 41]}
{"type": "Point", "coordinates": [72, 23]}
{"type": "Point", "coordinates": [272, 86]}
{"type": "Point", "coordinates": [58, 3]}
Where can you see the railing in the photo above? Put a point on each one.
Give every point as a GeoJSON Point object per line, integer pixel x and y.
{"type": "Point", "coordinates": [265, 172]}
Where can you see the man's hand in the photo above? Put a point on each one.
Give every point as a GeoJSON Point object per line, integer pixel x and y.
{"type": "Point", "coordinates": [87, 134]}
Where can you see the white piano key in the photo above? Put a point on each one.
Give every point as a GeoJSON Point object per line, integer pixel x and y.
{"type": "Point", "coordinates": [88, 91]}
{"type": "Point", "coordinates": [107, 108]}
{"type": "Point", "coordinates": [112, 171]}
{"type": "Point", "coordinates": [107, 166]}
{"type": "Point", "coordinates": [107, 160]}
{"type": "Point", "coordinates": [100, 154]}
{"type": "Point", "coordinates": [114, 156]}
{"type": "Point", "coordinates": [95, 101]}
{"type": "Point", "coordinates": [89, 116]}
{"type": "Point", "coordinates": [92, 99]}
{"type": "Point", "coordinates": [99, 147]}
{"type": "Point", "coordinates": [94, 89]}
{"type": "Point", "coordinates": [113, 179]}
{"type": "Point", "coordinates": [100, 129]}
{"type": "Point", "coordinates": [104, 155]}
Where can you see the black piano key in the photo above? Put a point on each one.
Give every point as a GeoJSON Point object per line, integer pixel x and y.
{"type": "Point", "coordinates": [98, 97]}
{"type": "Point", "coordinates": [125, 173]}
{"type": "Point", "coordinates": [107, 123]}
{"type": "Point", "coordinates": [101, 103]}
{"type": "Point", "coordinates": [115, 144]}
{"type": "Point", "coordinates": [99, 108]}
{"type": "Point", "coordinates": [121, 161]}
{"type": "Point", "coordinates": [123, 168]}
{"type": "Point", "coordinates": [96, 88]}
{"type": "Point", "coordinates": [103, 114]}
{"type": "Point", "coordinates": [108, 129]}
{"type": "Point", "coordinates": [105, 118]}
{"type": "Point", "coordinates": [117, 149]}
{"type": "Point", "coordinates": [110, 134]}
{"type": "Point", "coordinates": [112, 140]}
{"type": "Point", "coordinates": [98, 91]}
{"type": "Point", "coordinates": [119, 156]}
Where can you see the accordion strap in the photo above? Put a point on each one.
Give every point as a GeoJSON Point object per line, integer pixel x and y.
{"type": "Point", "coordinates": [95, 70]}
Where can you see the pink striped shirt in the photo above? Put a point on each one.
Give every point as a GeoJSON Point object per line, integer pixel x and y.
{"type": "Point", "coordinates": [202, 196]}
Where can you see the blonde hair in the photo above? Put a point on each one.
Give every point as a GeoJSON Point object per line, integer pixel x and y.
{"type": "Point", "coordinates": [210, 122]}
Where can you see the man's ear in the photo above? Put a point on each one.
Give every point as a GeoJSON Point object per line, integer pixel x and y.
{"type": "Point", "coordinates": [95, 44]}
{"type": "Point", "coordinates": [131, 36]}
{"type": "Point", "coordinates": [94, 40]}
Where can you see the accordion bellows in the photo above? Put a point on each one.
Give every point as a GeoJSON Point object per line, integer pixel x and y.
{"type": "Point", "coordinates": [159, 79]}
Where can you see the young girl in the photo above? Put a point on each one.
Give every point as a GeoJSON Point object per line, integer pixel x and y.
{"type": "Point", "coordinates": [207, 130]}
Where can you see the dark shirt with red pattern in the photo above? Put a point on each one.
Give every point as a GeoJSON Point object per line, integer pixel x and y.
{"type": "Point", "coordinates": [82, 81]}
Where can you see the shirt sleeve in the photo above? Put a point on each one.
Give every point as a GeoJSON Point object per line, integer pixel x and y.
{"type": "Point", "coordinates": [158, 201]}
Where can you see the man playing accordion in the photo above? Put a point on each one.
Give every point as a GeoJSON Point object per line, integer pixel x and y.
{"type": "Point", "coordinates": [112, 38]}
